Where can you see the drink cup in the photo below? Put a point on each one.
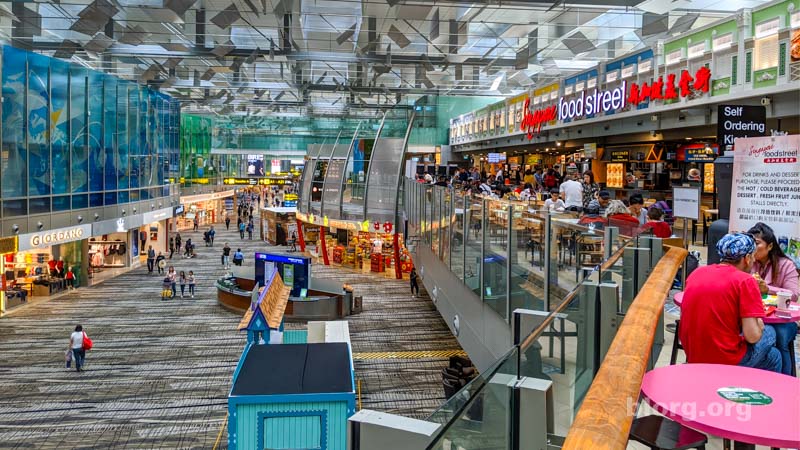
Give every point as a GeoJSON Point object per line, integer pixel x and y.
{"type": "Point", "coordinates": [784, 298]}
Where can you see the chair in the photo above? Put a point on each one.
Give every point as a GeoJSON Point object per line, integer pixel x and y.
{"type": "Point", "coordinates": [705, 220]}
{"type": "Point", "coordinates": [587, 245]}
{"type": "Point", "coordinates": [676, 344]}
{"type": "Point", "coordinates": [660, 433]}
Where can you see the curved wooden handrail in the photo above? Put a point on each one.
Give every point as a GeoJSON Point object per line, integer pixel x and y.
{"type": "Point", "coordinates": [605, 417]}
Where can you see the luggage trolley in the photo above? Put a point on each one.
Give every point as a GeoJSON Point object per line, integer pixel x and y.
{"type": "Point", "coordinates": [166, 289]}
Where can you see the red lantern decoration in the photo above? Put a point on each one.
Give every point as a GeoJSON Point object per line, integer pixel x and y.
{"type": "Point", "coordinates": [387, 227]}
{"type": "Point", "coordinates": [376, 225]}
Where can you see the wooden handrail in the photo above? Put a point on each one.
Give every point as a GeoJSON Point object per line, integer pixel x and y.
{"type": "Point", "coordinates": [605, 417]}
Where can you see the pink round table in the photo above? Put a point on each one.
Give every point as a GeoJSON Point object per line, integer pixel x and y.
{"type": "Point", "coordinates": [772, 318]}
{"type": "Point", "coordinates": [687, 394]}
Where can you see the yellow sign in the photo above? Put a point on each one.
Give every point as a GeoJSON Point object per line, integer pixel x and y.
{"type": "Point", "coordinates": [256, 181]}
{"type": "Point", "coordinates": [290, 197]}
{"type": "Point", "coordinates": [9, 245]}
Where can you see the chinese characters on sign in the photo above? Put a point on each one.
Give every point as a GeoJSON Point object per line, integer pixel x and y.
{"type": "Point", "coordinates": [766, 188]}
{"type": "Point", "coordinates": [659, 90]}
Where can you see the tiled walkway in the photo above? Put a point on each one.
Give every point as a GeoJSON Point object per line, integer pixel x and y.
{"type": "Point", "coordinates": [160, 372]}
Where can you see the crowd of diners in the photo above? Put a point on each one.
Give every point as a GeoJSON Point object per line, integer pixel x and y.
{"type": "Point", "coordinates": [575, 193]}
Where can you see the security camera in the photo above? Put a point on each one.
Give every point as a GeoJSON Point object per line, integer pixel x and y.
{"type": "Point", "coordinates": [96, 216]}
{"type": "Point", "coordinates": [39, 225]}
{"type": "Point", "coordinates": [80, 219]}
{"type": "Point", "coordinates": [15, 228]}
{"type": "Point", "coordinates": [766, 101]}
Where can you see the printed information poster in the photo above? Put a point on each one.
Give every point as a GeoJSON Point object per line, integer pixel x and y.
{"type": "Point", "coordinates": [766, 188]}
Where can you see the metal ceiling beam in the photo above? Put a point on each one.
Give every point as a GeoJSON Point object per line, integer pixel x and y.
{"type": "Point", "coordinates": [156, 51]}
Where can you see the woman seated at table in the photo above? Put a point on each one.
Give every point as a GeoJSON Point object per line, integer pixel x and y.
{"type": "Point", "coordinates": [722, 311]}
{"type": "Point", "coordinates": [775, 272]}
{"type": "Point", "coordinates": [619, 216]}
{"type": "Point", "coordinates": [527, 192]}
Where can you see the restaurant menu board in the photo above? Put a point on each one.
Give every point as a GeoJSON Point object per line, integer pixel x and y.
{"type": "Point", "coordinates": [615, 175]}
{"type": "Point", "coordinates": [708, 178]}
{"type": "Point", "coordinates": [766, 188]}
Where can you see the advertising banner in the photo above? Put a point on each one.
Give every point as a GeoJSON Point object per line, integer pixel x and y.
{"type": "Point", "coordinates": [766, 188]}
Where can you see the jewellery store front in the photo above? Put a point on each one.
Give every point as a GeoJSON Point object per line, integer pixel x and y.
{"type": "Point", "coordinates": [44, 264]}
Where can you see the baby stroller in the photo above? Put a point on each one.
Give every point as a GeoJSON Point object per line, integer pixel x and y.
{"type": "Point", "coordinates": [166, 289]}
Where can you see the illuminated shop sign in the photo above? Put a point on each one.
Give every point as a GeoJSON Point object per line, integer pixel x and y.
{"type": "Point", "coordinates": [55, 237]}
{"type": "Point", "coordinates": [255, 181]}
{"type": "Point", "coordinates": [659, 90]}
{"type": "Point", "coordinates": [532, 121]}
{"type": "Point", "coordinates": [597, 101]}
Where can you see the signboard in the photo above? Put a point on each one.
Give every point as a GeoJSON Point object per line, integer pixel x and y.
{"type": "Point", "coordinates": [596, 102]}
{"type": "Point", "coordinates": [494, 158]}
{"type": "Point", "coordinates": [256, 181]}
{"type": "Point", "coordinates": [590, 150]}
{"type": "Point", "coordinates": [8, 245]}
{"type": "Point", "coordinates": [766, 188]}
{"type": "Point", "coordinates": [699, 153]}
{"type": "Point", "coordinates": [739, 121]}
{"type": "Point", "coordinates": [54, 237]}
{"type": "Point", "coordinates": [619, 155]}
{"type": "Point", "coordinates": [686, 202]}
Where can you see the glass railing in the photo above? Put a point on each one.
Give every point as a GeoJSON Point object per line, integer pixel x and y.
{"type": "Point", "coordinates": [511, 254]}
{"type": "Point", "coordinates": [563, 346]}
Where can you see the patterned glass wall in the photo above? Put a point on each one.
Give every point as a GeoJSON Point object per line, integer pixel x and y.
{"type": "Point", "coordinates": [74, 138]}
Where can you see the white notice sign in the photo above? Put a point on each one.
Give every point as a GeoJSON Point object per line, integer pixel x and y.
{"type": "Point", "coordinates": [766, 188]}
{"type": "Point", "coordinates": [686, 202]}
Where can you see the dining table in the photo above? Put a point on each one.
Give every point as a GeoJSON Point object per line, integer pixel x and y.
{"type": "Point", "coordinates": [790, 315]}
{"type": "Point", "coordinates": [745, 405]}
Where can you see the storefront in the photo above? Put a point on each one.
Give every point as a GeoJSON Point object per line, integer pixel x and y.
{"type": "Point", "coordinates": [41, 262]}
{"type": "Point", "coordinates": [154, 231]}
{"type": "Point", "coordinates": [8, 246]}
{"type": "Point", "coordinates": [114, 245]}
{"type": "Point", "coordinates": [364, 246]}
{"type": "Point", "coordinates": [206, 209]}
{"type": "Point", "coordinates": [278, 224]}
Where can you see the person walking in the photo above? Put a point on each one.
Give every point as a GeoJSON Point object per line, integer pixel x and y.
{"type": "Point", "coordinates": [171, 246]}
{"type": "Point", "coordinates": [211, 233]}
{"type": "Point", "coordinates": [191, 281]}
{"type": "Point", "coordinates": [227, 223]}
{"type": "Point", "coordinates": [189, 249]}
{"type": "Point", "coordinates": [182, 282]}
{"type": "Point", "coordinates": [151, 259]}
{"type": "Point", "coordinates": [178, 241]}
{"type": "Point", "coordinates": [241, 230]}
{"type": "Point", "coordinates": [173, 278]}
{"type": "Point", "coordinates": [250, 230]}
{"type": "Point", "coordinates": [160, 263]}
{"type": "Point", "coordinates": [196, 224]}
{"type": "Point", "coordinates": [414, 285]}
{"type": "Point", "coordinates": [226, 256]}
{"type": "Point", "coordinates": [76, 345]}
{"type": "Point", "coordinates": [238, 257]}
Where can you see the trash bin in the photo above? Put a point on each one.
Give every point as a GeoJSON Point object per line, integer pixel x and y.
{"type": "Point", "coordinates": [357, 304]}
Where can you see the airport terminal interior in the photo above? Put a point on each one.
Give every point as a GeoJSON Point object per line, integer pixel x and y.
{"type": "Point", "coordinates": [400, 224]}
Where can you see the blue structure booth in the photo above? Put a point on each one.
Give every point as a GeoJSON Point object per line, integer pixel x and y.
{"type": "Point", "coordinates": [288, 396]}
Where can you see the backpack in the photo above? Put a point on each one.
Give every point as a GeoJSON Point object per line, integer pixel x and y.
{"type": "Point", "coordinates": [663, 206]}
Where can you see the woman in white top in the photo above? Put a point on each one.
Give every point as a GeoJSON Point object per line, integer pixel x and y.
{"type": "Point", "coordinates": [76, 344]}
{"type": "Point", "coordinates": [554, 203]}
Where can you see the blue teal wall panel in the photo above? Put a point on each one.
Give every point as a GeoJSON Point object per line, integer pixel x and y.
{"type": "Point", "coordinates": [66, 132]}
{"type": "Point", "coordinates": [109, 131]}
{"type": "Point", "coordinates": [38, 125]}
{"type": "Point", "coordinates": [95, 120]}
{"type": "Point", "coordinates": [308, 429]}
{"type": "Point", "coordinates": [59, 126]}
{"type": "Point", "coordinates": [295, 337]}
{"type": "Point", "coordinates": [247, 423]}
{"type": "Point", "coordinates": [15, 173]}
{"type": "Point", "coordinates": [79, 169]}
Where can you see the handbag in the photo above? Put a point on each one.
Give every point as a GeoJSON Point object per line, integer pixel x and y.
{"type": "Point", "coordinates": [68, 357]}
{"type": "Point", "coordinates": [87, 342]}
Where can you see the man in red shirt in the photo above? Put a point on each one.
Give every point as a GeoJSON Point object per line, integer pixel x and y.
{"type": "Point", "coordinates": [722, 310]}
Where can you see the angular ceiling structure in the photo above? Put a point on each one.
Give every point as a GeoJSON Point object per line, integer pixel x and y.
{"type": "Point", "coordinates": [334, 58]}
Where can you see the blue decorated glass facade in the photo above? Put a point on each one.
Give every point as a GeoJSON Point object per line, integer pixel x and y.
{"type": "Point", "coordinates": [74, 138]}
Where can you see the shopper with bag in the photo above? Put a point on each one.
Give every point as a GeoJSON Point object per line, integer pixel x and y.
{"type": "Point", "coordinates": [79, 342]}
